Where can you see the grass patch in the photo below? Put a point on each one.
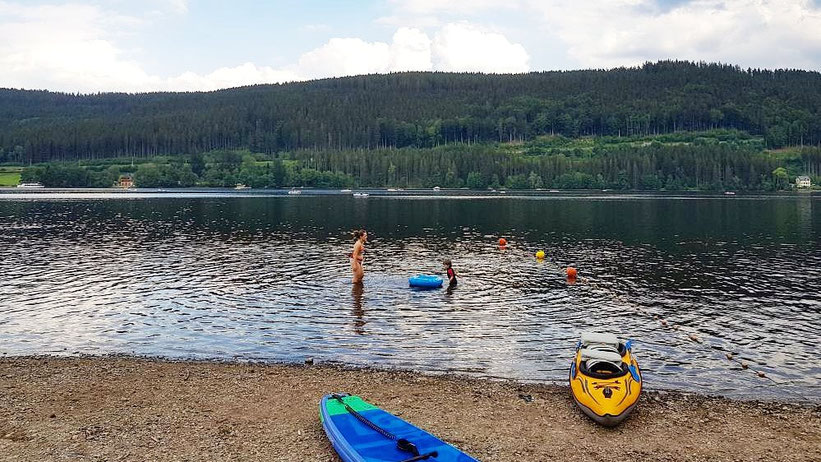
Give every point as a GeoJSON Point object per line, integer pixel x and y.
{"type": "Point", "coordinates": [9, 178]}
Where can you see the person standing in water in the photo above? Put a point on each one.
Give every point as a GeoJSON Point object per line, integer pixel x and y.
{"type": "Point", "coordinates": [451, 273]}
{"type": "Point", "coordinates": [358, 255]}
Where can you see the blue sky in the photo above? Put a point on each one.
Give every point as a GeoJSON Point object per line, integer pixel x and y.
{"type": "Point", "coordinates": [150, 45]}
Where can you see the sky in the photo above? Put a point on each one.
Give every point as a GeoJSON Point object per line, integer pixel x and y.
{"type": "Point", "coordinates": [90, 46]}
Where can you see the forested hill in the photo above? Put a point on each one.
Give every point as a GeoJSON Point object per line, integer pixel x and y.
{"type": "Point", "coordinates": [415, 109]}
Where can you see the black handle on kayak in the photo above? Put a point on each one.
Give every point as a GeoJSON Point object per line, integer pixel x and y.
{"type": "Point", "coordinates": [422, 457]}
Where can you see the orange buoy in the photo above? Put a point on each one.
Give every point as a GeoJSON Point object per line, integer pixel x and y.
{"type": "Point", "coordinates": [502, 242]}
{"type": "Point", "coordinates": [571, 272]}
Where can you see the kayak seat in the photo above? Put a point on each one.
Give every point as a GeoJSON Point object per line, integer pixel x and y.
{"type": "Point", "coordinates": [602, 339]}
{"type": "Point", "coordinates": [603, 360]}
{"type": "Point", "coordinates": [589, 338]}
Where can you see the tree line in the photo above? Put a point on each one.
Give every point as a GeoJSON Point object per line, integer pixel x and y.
{"type": "Point", "coordinates": [415, 110]}
{"type": "Point", "coordinates": [221, 169]}
{"type": "Point", "coordinates": [647, 166]}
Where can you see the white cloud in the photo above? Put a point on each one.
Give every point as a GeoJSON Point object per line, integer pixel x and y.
{"type": "Point", "coordinates": [456, 47]}
{"type": "Point", "coordinates": [410, 50]}
{"type": "Point", "coordinates": [762, 33]}
{"type": "Point", "coordinates": [46, 44]}
{"type": "Point", "coordinates": [74, 48]}
{"type": "Point", "coordinates": [610, 33]}
{"type": "Point", "coordinates": [225, 77]}
{"type": "Point", "coordinates": [464, 47]}
{"type": "Point", "coordinates": [78, 47]}
{"type": "Point", "coordinates": [345, 56]}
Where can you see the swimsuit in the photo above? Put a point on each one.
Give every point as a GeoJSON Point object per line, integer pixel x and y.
{"type": "Point", "coordinates": [452, 274]}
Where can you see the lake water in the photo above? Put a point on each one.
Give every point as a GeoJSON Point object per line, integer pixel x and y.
{"type": "Point", "coordinates": [253, 276]}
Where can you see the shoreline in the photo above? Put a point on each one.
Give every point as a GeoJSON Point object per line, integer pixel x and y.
{"type": "Point", "coordinates": [134, 408]}
{"type": "Point", "coordinates": [789, 398]}
{"type": "Point", "coordinates": [389, 191]}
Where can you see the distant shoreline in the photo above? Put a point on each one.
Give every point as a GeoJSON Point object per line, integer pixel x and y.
{"type": "Point", "coordinates": [443, 192]}
{"type": "Point", "coordinates": [145, 409]}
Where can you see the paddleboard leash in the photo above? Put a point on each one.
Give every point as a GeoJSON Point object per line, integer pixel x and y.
{"type": "Point", "coordinates": [401, 443]}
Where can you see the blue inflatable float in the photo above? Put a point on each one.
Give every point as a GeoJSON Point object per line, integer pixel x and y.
{"type": "Point", "coordinates": [425, 281]}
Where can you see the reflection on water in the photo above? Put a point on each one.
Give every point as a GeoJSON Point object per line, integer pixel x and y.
{"type": "Point", "coordinates": [267, 277]}
{"type": "Point", "coordinates": [358, 313]}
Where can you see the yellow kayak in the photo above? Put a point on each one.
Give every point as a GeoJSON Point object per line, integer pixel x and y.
{"type": "Point", "coordinates": [604, 378]}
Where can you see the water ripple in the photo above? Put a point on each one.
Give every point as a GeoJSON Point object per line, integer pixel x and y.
{"type": "Point", "coordinates": [266, 278]}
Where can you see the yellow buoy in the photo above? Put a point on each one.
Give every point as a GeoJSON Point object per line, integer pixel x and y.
{"type": "Point", "coordinates": [540, 254]}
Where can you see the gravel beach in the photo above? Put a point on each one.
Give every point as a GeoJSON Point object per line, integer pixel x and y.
{"type": "Point", "coordinates": [129, 409]}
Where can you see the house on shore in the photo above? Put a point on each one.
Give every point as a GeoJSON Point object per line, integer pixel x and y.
{"type": "Point", "coordinates": [803, 182]}
{"type": "Point", "coordinates": [125, 182]}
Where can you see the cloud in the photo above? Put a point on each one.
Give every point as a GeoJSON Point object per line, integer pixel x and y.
{"type": "Point", "coordinates": [465, 47]}
{"type": "Point", "coordinates": [760, 33]}
{"type": "Point", "coordinates": [410, 51]}
{"type": "Point", "coordinates": [74, 48]}
{"type": "Point", "coordinates": [458, 47]}
{"type": "Point", "coordinates": [345, 56]}
{"type": "Point", "coordinates": [612, 33]}
{"type": "Point", "coordinates": [224, 77]}
{"type": "Point", "coordinates": [65, 43]}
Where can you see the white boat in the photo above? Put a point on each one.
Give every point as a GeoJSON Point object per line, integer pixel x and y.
{"type": "Point", "coordinates": [295, 191]}
{"type": "Point", "coordinates": [554, 190]}
{"type": "Point", "coordinates": [729, 193]}
{"type": "Point", "coordinates": [345, 190]}
{"type": "Point", "coordinates": [437, 188]}
{"type": "Point", "coordinates": [241, 186]}
{"type": "Point", "coordinates": [391, 189]}
{"type": "Point", "coordinates": [30, 185]}
{"type": "Point", "coordinates": [360, 194]}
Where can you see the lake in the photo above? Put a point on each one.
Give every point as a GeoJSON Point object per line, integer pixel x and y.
{"type": "Point", "coordinates": [265, 277]}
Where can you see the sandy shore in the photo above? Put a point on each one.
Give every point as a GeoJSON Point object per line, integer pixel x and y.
{"type": "Point", "coordinates": [95, 409]}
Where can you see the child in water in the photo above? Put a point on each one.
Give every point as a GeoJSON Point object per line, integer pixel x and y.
{"type": "Point", "coordinates": [451, 273]}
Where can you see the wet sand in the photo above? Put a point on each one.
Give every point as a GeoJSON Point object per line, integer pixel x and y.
{"type": "Point", "coordinates": [95, 409]}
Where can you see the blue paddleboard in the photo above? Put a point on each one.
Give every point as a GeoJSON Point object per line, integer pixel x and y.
{"type": "Point", "coordinates": [357, 441]}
